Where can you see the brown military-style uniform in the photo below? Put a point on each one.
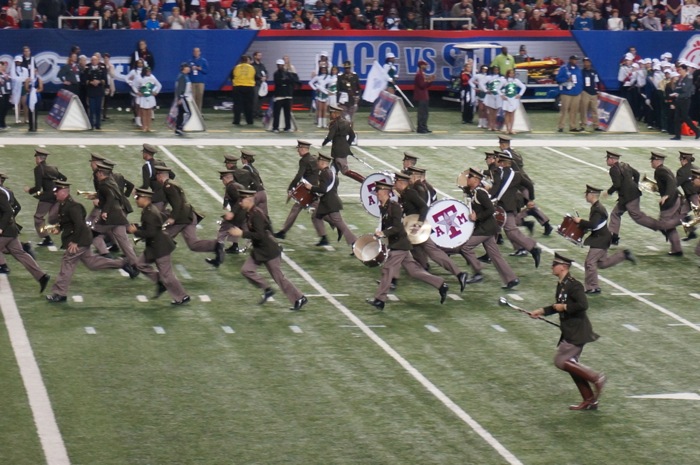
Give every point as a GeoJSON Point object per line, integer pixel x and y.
{"type": "Point", "coordinates": [9, 238]}
{"type": "Point", "coordinates": [111, 202]}
{"type": "Point", "coordinates": [308, 170]}
{"type": "Point", "coordinates": [329, 205]}
{"type": "Point", "coordinates": [44, 176]}
{"type": "Point", "coordinates": [186, 219]}
{"type": "Point", "coordinates": [625, 181]}
{"type": "Point", "coordinates": [341, 135]}
{"type": "Point", "coordinates": [507, 186]}
{"type": "Point", "coordinates": [599, 242]}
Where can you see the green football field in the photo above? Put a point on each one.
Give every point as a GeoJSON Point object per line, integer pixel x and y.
{"type": "Point", "coordinates": [113, 377]}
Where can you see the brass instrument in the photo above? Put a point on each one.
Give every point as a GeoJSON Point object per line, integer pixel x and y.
{"type": "Point", "coordinates": [417, 232]}
{"type": "Point", "coordinates": [88, 194]}
{"type": "Point", "coordinates": [38, 193]}
{"type": "Point", "coordinates": [648, 185]}
{"type": "Point", "coordinates": [50, 229]}
{"type": "Point", "coordinates": [688, 226]}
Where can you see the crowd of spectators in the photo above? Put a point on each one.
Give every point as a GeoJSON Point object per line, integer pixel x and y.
{"type": "Point", "coordinates": [613, 15]}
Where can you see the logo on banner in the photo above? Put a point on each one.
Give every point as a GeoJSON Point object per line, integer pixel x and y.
{"type": "Point", "coordinates": [691, 52]}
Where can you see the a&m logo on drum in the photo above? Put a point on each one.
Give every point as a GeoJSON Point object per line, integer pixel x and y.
{"type": "Point", "coordinates": [368, 194]}
{"type": "Point", "coordinates": [449, 221]}
{"type": "Point", "coordinates": [451, 224]}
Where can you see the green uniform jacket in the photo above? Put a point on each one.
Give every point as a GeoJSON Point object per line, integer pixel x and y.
{"type": "Point", "coordinates": [259, 231]}
{"type": "Point", "coordinates": [600, 236]}
{"type": "Point", "coordinates": [575, 326]}
{"type": "Point", "coordinates": [71, 219]}
{"type": "Point", "coordinates": [392, 226]}
{"type": "Point", "coordinates": [158, 243]}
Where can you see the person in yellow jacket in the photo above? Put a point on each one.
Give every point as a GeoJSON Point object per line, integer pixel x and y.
{"type": "Point", "coordinates": [243, 80]}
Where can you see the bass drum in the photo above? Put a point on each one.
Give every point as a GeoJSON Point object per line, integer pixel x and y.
{"type": "Point", "coordinates": [368, 194]}
{"type": "Point", "coordinates": [369, 250]}
{"type": "Point", "coordinates": [500, 215]}
{"type": "Point", "coordinates": [450, 222]}
{"type": "Point", "coordinates": [302, 195]}
{"type": "Point", "coordinates": [571, 231]}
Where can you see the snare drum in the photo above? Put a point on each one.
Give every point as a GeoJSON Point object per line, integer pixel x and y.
{"type": "Point", "coordinates": [500, 215]}
{"type": "Point", "coordinates": [302, 195]}
{"type": "Point", "coordinates": [369, 250]}
{"type": "Point", "coordinates": [368, 193]}
{"type": "Point", "coordinates": [571, 231]}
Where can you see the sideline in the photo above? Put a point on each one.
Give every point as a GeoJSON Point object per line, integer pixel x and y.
{"type": "Point", "coordinates": [49, 435]}
{"type": "Point", "coordinates": [637, 297]}
{"type": "Point", "coordinates": [417, 375]}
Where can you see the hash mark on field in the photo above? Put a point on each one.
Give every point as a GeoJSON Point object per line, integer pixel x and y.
{"type": "Point", "coordinates": [81, 146]}
{"type": "Point", "coordinates": [122, 146]}
{"type": "Point", "coordinates": [278, 146]}
{"type": "Point", "coordinates": [296, 329]}
{"type": "Point", "coordinates": [352, 227]}
{"type": "Point", "coordinates": [123, 273]}
{"type": "Point", "coordinates": [369, 326]}
{"type": "Point", "coordinates": [200, 146]}
{"type": "Point", "coordinates": [52, 248]}
{"type": "Point", "coordinates": [324, 295]}
{"type": "Point", "coordinates": [205, 298]}
{"type": "Point", "coordinates": [651, 247]}
{"type": "Point", "coordinates": [142, 298]}
{"type": "Point", "coordinates": [499, 328]}
{"type": "Point", "coordinates": [77, 298]}
{"type": "Point", "coordinates": [661, 148]}
{"type": "Point", "coordinates": [432, 329]}
{"type": "Point", "coordinates": [90, 330]}
{"type": "Point", "coordinates": [454, 297]}
{"type": "Point", "coordinates": [515, 297]}
{"type": "Point", "coordinates": [183, 271]}
{"type": "Point", "coordinates": [630, 293]}
{"type": "Point", "coordinates": [559, 250]}
{"type": "Point", "coordinates": [393, 147]}
{"type": "Point", "coordinates": [159, 330]}
{"type": "Point", "coordinates": [697, 296]}
{"type": "Point", "coordinates": [432, 147]}
{"type": "Point", "coordinates": [471, 148]}
{"type": "Point", "coordinates": [301, 226]}
{"type": "Point", "coordinates": [632, 328]}
{"type": "Point", "coordinates": [586, 148]}
{"type": "Point", "coordinates": [228, 329]}
{"type": "Point", "coordinates": [623, 148]}
{"type": "Point", "coordinates": [330, 248]}
{"type": "Point", "coordinates": [392, 297]}
{"type": "Point", "coordinates": [679, 324]}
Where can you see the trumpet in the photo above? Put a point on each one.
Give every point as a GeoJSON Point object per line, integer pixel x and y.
{"type": "Point", "coordinates": [688, 226]}
{"type": "Point", "coordinates": [38, 193]}
{"type": "Point", "coordinates": [87, 194]}
{"type": "Point", "coordinates": [50, 229]}
{"type": "Point", "coordinates": [648, 185]}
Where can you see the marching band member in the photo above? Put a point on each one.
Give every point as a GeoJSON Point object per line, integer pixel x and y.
{"type": "Point", "coordinates": [255, 183]}
{"type": "Point", "coordinates": [413, 204]}
{"type": "Point", "coordinates": [424, 188]}
{"type": "Point", "coordinates": [44, 177]}
{"type": "Point", "coordinates": [235, 216]}
{"type": "Point", "coordinates": [695, 174]}
{"type": "Point", "coordinates": [159, 247]}
{"type": "Point", "coordinates": [329, 204]}
{"type": "Point", "coordinates": [148, 176]}
{"type": "Point", "coordinates": [598, 241]}
{"type": "Point", "coordinates": [485, 230]}
{"type": "Point", "coordinates": [576, 331]}
{"type": "Point", "coordinates": [308, 170]}
{"type": "Point", "coordinates": [669, 203]}
{"type": "Point", "coordinates": [399, 250]}
{"type": "Point", "coordinates": [341, 136]}
{"type": "Point", "coordinates": [685, 182]}
{"type": "Point", "coordinates": [265, 252]}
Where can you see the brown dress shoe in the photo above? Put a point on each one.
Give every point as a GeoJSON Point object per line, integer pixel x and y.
{"type": "Point", "coordinates": [585, 405]}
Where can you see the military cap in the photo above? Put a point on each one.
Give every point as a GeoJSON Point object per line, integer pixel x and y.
{"type": "Point", "coordinates": [58, 184]}
{"type": "Point", "coordinates": [96, 156]}
{"type": "Point", "coordinates": [592, 190]}
{"type": "Point", "coordinates": [104, 167]}
{"type": "Point", "coordinates": [561, 260]}
{"type": "Point", "coordinates": [688, 156]}
{"type": "Point", "coordinates": [245, 193]}
{"type": "Point", "coordinates": [347, 64]}
{"type": "Point", "coordinates": [490, 155]}
{"type": "Point", "coordinates": [162, 169]}
{"type": "Point", "coordinates": [413, 170]}
{"type": "Point", "coordinates": [504, 140]}
{"type": "Point", "coordinates": [334, 108]}
{"type": "Point", "coordinates": [324, 157]}
{"type": "Point", "coordinates": [223, 173]}
{"type": "Point", "coordinates": [247, 154]}
{"type": "Point", "coordinates": [401, 177]}
{"type": "Point", "coordinates": [150, 149]}
{"type": "Point", "coordinates": [610, 154]}
{"type": "Point", "coordinates": [147, 192]}
{"type": "Point", "coordinates": [503, 156]}
{"type": "Point", "coordinates": [3, 176]}
{"type": "Point", "coordinates": [303, 143]}
{"type": "Point", "coordinates": [41, 152]}
{"type": "Point", "coordinates": [383, 186]}
{"type": "Point", "coordinates": [475, 173]}
{"type": "Point", "coordinates": [657, 156]}
{"type": "Point", "coordinates": [695, 173]}
{"type": "Point", "coordinates": [109, 162]}
{"type": "Point", "coordinates": [410, 156]}
{"type": "Point", "coordinates": [230, 158]}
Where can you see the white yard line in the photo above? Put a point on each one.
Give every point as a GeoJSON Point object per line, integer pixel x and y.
{"type": "Point", "coordinates": [39, 402]}
{"type": "Point", "coordinates": [417, 375]}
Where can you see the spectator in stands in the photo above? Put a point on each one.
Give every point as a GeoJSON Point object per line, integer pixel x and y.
{"type": "Point", "coordinates": [95, 10]}
{"type": "Point", "coordinates": [206, 21]}
{"type": "Point", "coordinates": [315, 25]}
{"type": "Point", "coordinates": [121, 21]}
{"type": "Point", "coordinates": [12, 12]}
{"type": "Point", "coordinates": [287, 11]}
{"type": "Point", "coordinates": [392, 22]}
{"type": "Point", "coordinates": [633, 24]}
{"type": "Point", "coordinates": [241, 21]}
{"type": "Point", "coordinates": [673, 10]}
{"type": "Point", "coordinates": [650, 22]}
{"type": "Point", "coordinates": [459, 10]}
{"type": "Point", "coordinates": [584, 22]}
{"type": "Point", "coordinates": [696, 23]}
{"type": "Point", "coordinates": [358, 21]}
{"type": "Point", "coordinates": [483, 22]}
{"type": "Point", "coordinates": [50, 10]}
{"type": "Point", "coordinates": [192, 21]}
{"type": "Point", "coordinates": [167, 9]}
{"type": "Point", "coordinates": [372, 10]}
{"type": "Point", "coordinates": [668, 24]}
{"type": "Point", "coordinates": [27, 14]}
{"type": "Point", "coordinates": [536, 21]}
{"type": "Point", "coordinates": [266, 10]}
{"type": "Point", "coordinates": [519, 21]}
{"type": "Point", "coordinates": [502, 22]}
{"type": "Point", "coordinates": [152, 23]}
{"type": "Point", "coordinates": [297, 23]}
{"type": "Point", "coordinates": [274, 22]}
{"type": "Point", "coordinates": [175, 20]}
{"type": "Point", "coordinates": [330, 22]}
{"type": "Point", "coordinates": [599, 23]}
{"type": "Point", "coordinates": [257, 21]}
{"type": "Point", "coordinates": [615, 23]}
{"type": "Point", "coordinates": [137, 14]}
{"type": "Point", "coordinates": [409, 23]}
{"type": "Point", "coordinates": [107, 20]}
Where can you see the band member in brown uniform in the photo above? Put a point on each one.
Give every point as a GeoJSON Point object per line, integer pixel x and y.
{"type": "Point", "coordinates": [9, 238]}
{"type": "Point", "coordinates": [329, 204]}
{"type": "Point", "coordinates": [148, 175]}
{"type": "Point", "coordinates": [341, 135]}
{"type": "Point", "coordinates": [308, 171]}
{"type": "Point", "coordinates": [625, 181]}
{"type": "Point", "coordinates": [409, 160]}
{"type": "Point", "coordinates": [159, 247]}
{"type": "Point", "coordinates": [399, 254]}
{"type": "Point", "coordinates": [44, 177]}
{"type": "Point", "coordinates": [76, 238]}
{"type": "Point", "coordinates": [235, 216]}
{"type": "Point", "coordinates": [506, 186]}
{"type": "Point", "coordinates": [184, 219]}
{"type": "Point", "coordinates": [265, 252]}
{"type": "Point", "coordinates": [669, 204]}
{"type": "Point", "coordinates": [348, 91]}
{"type": "Point", "coordinates": [256, 183]}
{"type": "Point", "coordinates": [695, 175]}
{"type": "Point", "coordinates": [598, 241]}
{"type": "Point", "coordinates": [685, 182]}
{"type": "Point", "coordinates": [576, 331]}
{"type": "Point", "coordinates": [413, 204]}
{"type": "Point", "coordinates": [485, 229]}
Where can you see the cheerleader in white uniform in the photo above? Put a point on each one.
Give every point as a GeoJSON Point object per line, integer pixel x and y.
{"type": "Point", "coordinates": [333, 87]}
{"type": "Point", "coordinates": [319, 84]}
{"type": "Point", "coordinates": [147, 88]}
{"type": "Point", "coordinates": [479, 85]}
{"type": "Point", "coordinates": [134, 75]}
{"type": "Point", "coordinates": [511, 90]}
{"type": "Point", "coordinates": [493, 100]}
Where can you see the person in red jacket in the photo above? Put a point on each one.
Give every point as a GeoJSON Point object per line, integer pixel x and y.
{"type": "Point", "coordinates": [422, 97]}
{"type": "Point", "coordinates": [328, 21]}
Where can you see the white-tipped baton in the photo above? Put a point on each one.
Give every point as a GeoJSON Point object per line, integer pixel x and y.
{"type": "Point", "coordinates": [504, 302]}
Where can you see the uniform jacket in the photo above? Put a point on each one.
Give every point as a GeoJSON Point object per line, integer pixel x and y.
{"type": "Point", "coordinates": [126, 187]}
{"type": "Point", "coordinates": [148, 176]}
{"type": "Point", "coordinates": [575, 326]}
{"type": "Point", "coordinates": [482, 205]}
{"type": "Point", "coordinates": [257, 183]}
{"type": "Point", "coordinates": [597, 223]}
{"type": "Point", "coordinates": [341, 135]}
{"type": "Point", "coordinates": [625, 181]}
{"type": "Point", "coordinates": [71, 219]}
{"type": "Point", "coordinates": [259, 231]}
{"type": "Point", "coordinates": [307, 170]}
{"type": "Point", "coordinates": [182, 211]}
{"type": "Point", "coordinates": [110, 202]}
{"type": "Point", "coordinates": [349, 83]}
{"type": "Point", "coordinates": [231, 198]}
{"type": "Point", "coordinates": [245, 178]}
{"type": "Point", "coordinates": [666, 181]}
{"type": "Point", "coordinates": [508, 193]}
{"type": "Point", "coordinates": [413, 203]}
{"type": "Point", "coordinates": [683, 179]}
{"type": "Point", "coordinates": [392, 226]}
{"type": "Point", "coordinates": [158, 242]}
{"type": "Point", "coordinates": [7, 215]}
{"type": "Point", "coordinates": [44, 176]}
{"type": "Point", "coordinates": [327, 189]}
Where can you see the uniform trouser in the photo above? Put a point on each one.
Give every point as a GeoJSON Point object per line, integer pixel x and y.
{"type": "Point", "coordinates": [390, 270]}
{"type": "Point", "coordinates": [250, 272]}
{"type": "Point", "coordinates": [319, 226]}
{"type": "Point", "coordinates": [516, 236]}
{"type": "Point", "coordinates": [341, 165]}
{"type": "Point", "coordinates": [467, 251]}
{"type": "Point", "coordinates": [243, 104]}
{"type": "Point", "coordinates": [260, 201]}
{"type": "Point", "coordinates": [422, 117]}
{"type": "Point", "coordinates": [285, 105]}
{"type": "Point", "coordinates": [349, 109]}
{"type": "Point", "coordinates": [198, 94]}
{"type": "Point", "coordinates": [668, 221]}
{"type": "Point", "coordinates": [686, 206]}
{"type": "Point", "coordinates": [222, 235]}
{"type": "Point", "coordinates": [535, 212]}
{"type": "Point", "coordinates": [13, 246]}
{"type": "Point", "coordinates": [589, 104]}
{"type": "Point", "coordinates": [189, 232]}
{"type": "Point", "coordinates": [336, 220]}
{"type": "Point", "coordinates": [636, 214]}
{"type": "Point", "coordinates": [569, 107]}
{"type": "Point", "coordinates": [599, 258]}
{"type": "Point", "coordinates": [70, 261]}
{"type": "Point", "coordinates": [697, 249]}
{"type": "Point", "coordinates": [118, 232]}
{"type": "Point", "coordinates": [567, 359]}
{"type": "Point", "coordinates": [428, 249]}
{"type": "Point", "coordinates": [163, 273]}
{"type": "Point", "coordinates": [4, 107]}
{"type": "Point", "coordinates": [43, 209]}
